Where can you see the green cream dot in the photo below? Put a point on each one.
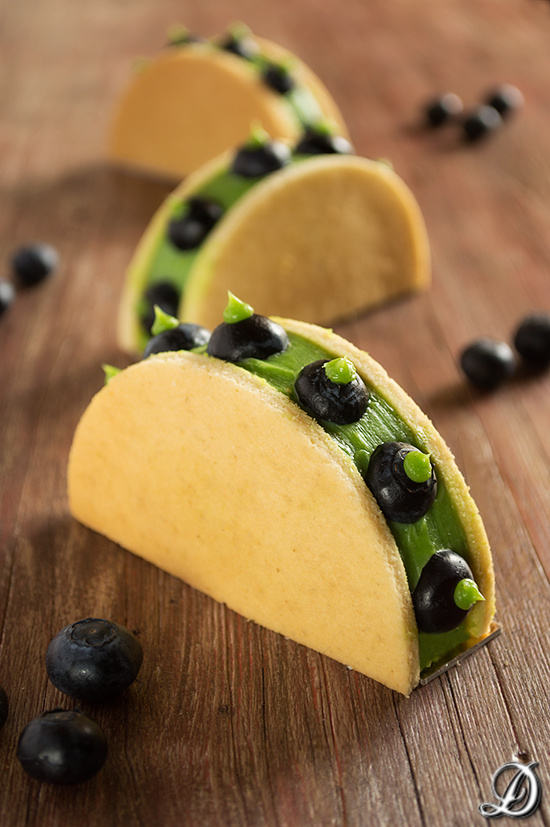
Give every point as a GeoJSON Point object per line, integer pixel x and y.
{"type": "Point", "coordinates": [163, 321]}
{"type": "Point", "coordinates": [326, 127]}
{"type": "Point", "coordinates": [239, 30]}
{"type": "Point", "coordinates": [236, 310]}
{"type": "Point", "coordinates": [417, 466]}
{"type": "Point", "coordinates": [258, 137]}
{"type": "Point", "coordinates": [178, 34]}
{"type": "Point", "coordinates": [110, 371]}
{"type": "Point", "coordinates": [466, 594]}
{"type": "Point", "coordinates": [340, 371]}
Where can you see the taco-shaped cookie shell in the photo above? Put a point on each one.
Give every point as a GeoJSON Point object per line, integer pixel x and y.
{"type": "Point", "coordinates": [323, 238]}
{"type": "Point", "coordinates": [206, 470]}
{"type": "Point", "coordinates": [196, 100]}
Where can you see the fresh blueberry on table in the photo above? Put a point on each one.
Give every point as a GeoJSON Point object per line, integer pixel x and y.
{"type": "Point", "coordinates": [481, 122]}
{"type": "Point", "coordinates": [62, 747]}
{"type": "Point", "coordinates": [33, 263]}
{"type": "Point", "coordinates": [7, 295]}
{"type": "Point", "coordinates": [487, 363]}
{"type": "Point", "coordinates": [443, 109]}
{"type": "Point", "coordinates": [532, 340]}
{"type": "Point", "coordinates": [93, 659]}
{"type": "Point", "coordinates": [505, 99]}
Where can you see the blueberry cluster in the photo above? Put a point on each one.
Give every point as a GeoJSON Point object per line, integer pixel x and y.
{"type": "Point", "coordinates": [488, 362]}
{"type": "Point", "coordinates": [186, 232]}
{"type": "Point", "coordinates": [30, 265]}
{"type": "Point", "coordinates": [479, 121]}
{"type": "Point", "coordinates": [92, 660]}
{"type": "Point", "coordinates": [403, 482]}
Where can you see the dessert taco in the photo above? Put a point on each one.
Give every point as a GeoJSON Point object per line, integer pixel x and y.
{"type": "Point", "coordinates": [198, 98]}
{"type": "Point", "coordinates": [311, 231]}
{"type": "Point", "coordinates": [277, 468]}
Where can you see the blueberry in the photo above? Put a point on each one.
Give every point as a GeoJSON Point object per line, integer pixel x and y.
{"type": "Point", "coordinates": [487, 363]}
{"type": "Point", "coordinates": [480, 123]}
{"type": "Point", "coordinates": [434, 596]}
{"type": "Point", "coordinates": [240, 45]}
{"type": "Point", "coordinates": [278, 78]}
{"type": "Point", "coordinates": [443, 109]}
{"type": "Point", "coordinates": [191, 229]}
{"type": "Point", "coordinates": [258, 160]}
{"type": "Point", "coordinates": [320, 142]}
{"type": "Point", "coordinates": [339, 402]}
{"type": "Point", "coordinates": [183, 337]}
{"type": "Point", "coordinates": [62, 747]}
{"type": "Point", "coordinates": [166, 296]}
{"type": "Point", "coordinates": [254, 337]}
{"type": "Point", "coordinates": [505, 99]}
{"type": "Point", "coordinates": [93, 659]}
{"type": "Point", "coordinates": [4, 706]}
{"type": "Point", "coordinates": [32, 263]}
{"type": "Point", "coordinates": [532, 339]}
{"type": "Point", "coordinates": [7, 295]}
{"type": "Point", "coordinates": [399, 497]}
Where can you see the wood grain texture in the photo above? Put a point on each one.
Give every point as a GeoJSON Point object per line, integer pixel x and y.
{"type": "Point", "coordinates": [228, 724]}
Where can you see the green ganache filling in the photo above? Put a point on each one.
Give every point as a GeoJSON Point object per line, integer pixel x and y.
{"type": "Point", "coordinates": [440, 528]}
{"type": "Point", "coordinates": [168, 263]}
{"type": "Point", "coordinates": [173, 265]}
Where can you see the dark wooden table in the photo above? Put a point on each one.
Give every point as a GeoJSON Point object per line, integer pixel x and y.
{"type": "Point", "coordinates": [229, 724]}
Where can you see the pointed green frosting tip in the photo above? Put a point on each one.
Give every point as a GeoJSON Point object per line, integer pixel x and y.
{"type": "Point", "coordinates": [163, 321]}
{"type": "Point", "coordinates": [341, 371]}
{"type": "Point", "coordinates": [258, 137]}
{"type": "Point", "coordinates": [288, 63]}
{"type": "Point", "coordinates": [417, 466]}
{"type": "Point", "coordinates": [236, 310]}
{"type": "Point", "coordinates": [324, 126]}
{"type": "Point", "coordinates": [239, 30]}
{"type": "Point", "coordinates": [177, 34]}
{"type": "Point", "coordinates": [110, 371]}
{"type": "Point", "coordinates": [466, 594]}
